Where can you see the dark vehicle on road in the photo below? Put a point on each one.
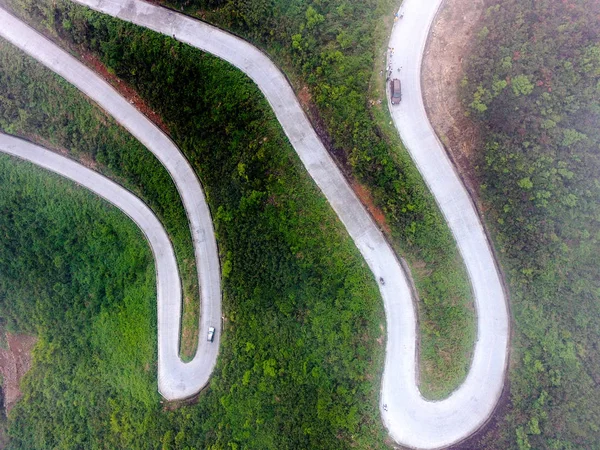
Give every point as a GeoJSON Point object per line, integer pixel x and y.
{"type": "Point", "coordinates": [395, 91]}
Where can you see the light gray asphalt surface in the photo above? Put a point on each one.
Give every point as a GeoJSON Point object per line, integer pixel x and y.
{"type": "Point", "coordinates": [411, 420]}
{"type": "Point", "coordinates": [176, 380]}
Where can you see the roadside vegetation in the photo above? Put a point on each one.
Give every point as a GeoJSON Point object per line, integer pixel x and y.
{"type": "Point", "coordinates": [304, 334]}
{"type": "Point", "coordinates": [80, 276]}
{"type": "Point", "coordinates": [333, 53]}
{"type": "Point", "coordinates": [533, 86]}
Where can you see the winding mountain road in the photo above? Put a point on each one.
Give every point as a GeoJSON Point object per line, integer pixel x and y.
{"type": "Point", "coordinates": [410, 419]}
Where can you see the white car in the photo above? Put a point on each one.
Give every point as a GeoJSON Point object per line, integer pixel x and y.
{"type": "Point", "coordinates": [211, 334]}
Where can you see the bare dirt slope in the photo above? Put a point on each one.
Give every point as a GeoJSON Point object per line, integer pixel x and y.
{"type": "Point", "coordinates": [15, 361]}
{"type": "Point", "coordinates": [448, 49]}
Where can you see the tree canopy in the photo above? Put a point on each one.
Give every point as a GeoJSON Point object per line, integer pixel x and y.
{"type": "Point", "coordinates": [533, 85]}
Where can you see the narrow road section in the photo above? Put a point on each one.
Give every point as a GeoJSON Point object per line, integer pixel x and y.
{"type": "Point", "coordinates": [176, 379]}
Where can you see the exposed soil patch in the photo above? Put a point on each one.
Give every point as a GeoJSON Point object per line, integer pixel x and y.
{"type": "Point", "coordinates": [367, 200]}
{"type": "Point", "coordinates": [123, 88]}
{"type": "Point", "coordinates": [304, 97]}
{"type": "Point", "coordinates": [15, 361]}
{"type": "Point", "coordinates": [448, 48]}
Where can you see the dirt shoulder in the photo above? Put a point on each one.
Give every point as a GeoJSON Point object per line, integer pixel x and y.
{"type": "Point", "coordinates": [448, 49]}
{"type": "Point", "coordinates": [15, 361]}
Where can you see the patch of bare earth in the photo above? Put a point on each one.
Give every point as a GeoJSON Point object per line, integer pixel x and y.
{"type": "Point", "coordinates": [305, 97]}
{"type": "Point", "coordinates": [15, 361]}
{"type": "Point", "coordinates": [123, 88]}
{"type": "Point", "coordinates": [367, 200]}
{"type": "Point", "coordinates": [448, 49]}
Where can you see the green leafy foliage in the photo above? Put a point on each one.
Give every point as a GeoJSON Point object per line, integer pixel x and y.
{"type": "Point", "coordinates": [79, 275]}
{"type": "Point", "coordinates": [539, 171]}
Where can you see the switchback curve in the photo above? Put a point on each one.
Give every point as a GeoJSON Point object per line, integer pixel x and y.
{"type": "Point", "coordinates": [438, 424]}
{"type": "Point", "coordinates": [167, 276]}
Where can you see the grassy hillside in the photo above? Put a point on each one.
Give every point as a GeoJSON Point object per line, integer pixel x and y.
{"type": "Point", "coordinates": [79, 275]}
{"type": "Point", "coordinates": [533, 85]}
{"type": "Point", "coordinates": [304, 323]}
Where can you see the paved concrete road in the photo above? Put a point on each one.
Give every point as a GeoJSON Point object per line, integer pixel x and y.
{"type": "Point", "coordinates": [176, 380]}
{"type": "Point", "coordinates": [411, 420]}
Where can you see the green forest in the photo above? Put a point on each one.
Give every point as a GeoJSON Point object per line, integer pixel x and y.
{"type": "Point", "coordinates": [533, 86]}
{"type": "Point", "coordinates": [79, 275]}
